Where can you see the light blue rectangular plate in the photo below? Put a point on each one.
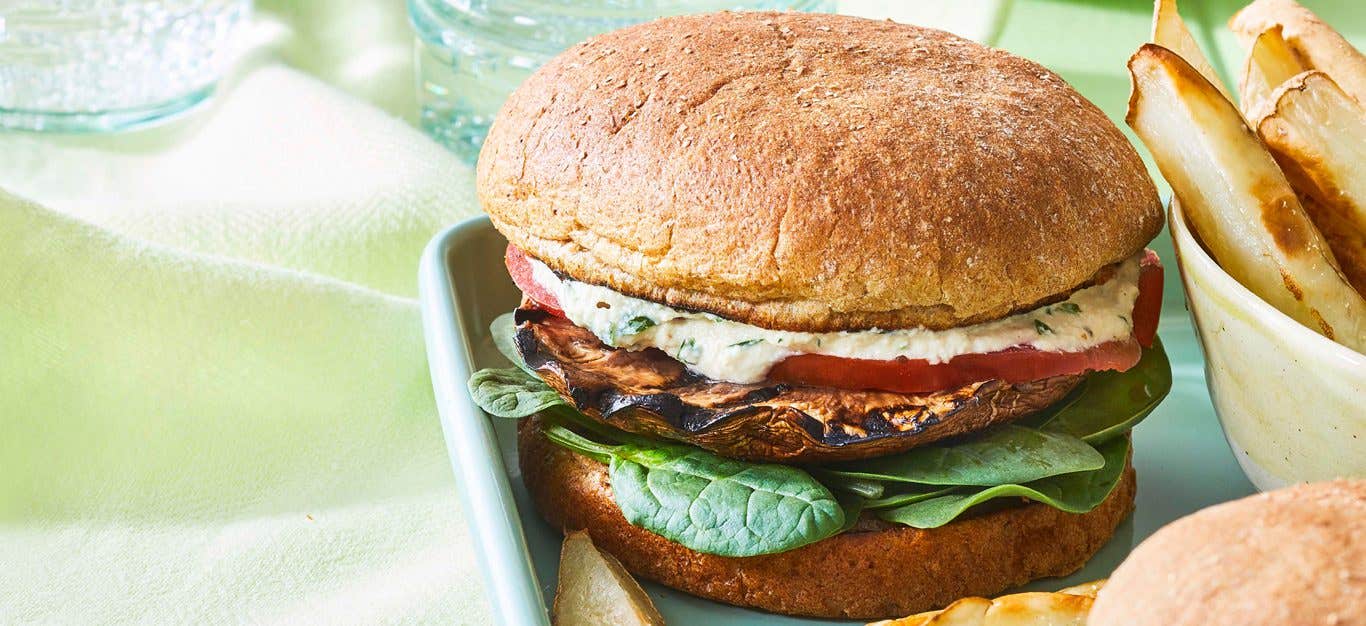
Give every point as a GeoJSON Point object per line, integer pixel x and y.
{"type": "Point", "coordinates": [1182, 460]}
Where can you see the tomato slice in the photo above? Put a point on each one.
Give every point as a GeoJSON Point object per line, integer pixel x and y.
{"type": "Point", "coordinates": [1013, 365]}
{"type": "Point", "coordinates": [1148, 306]}
{"type": "Point", "coordinates": [519, 267]}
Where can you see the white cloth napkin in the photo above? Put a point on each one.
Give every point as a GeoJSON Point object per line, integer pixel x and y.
{"type": "Point", "coordinates": [282, 170]}
{"type": "Point", "coordinates": [214, 404]}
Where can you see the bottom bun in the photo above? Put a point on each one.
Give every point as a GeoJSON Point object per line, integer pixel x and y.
{"type": "Point", "coordinates": [873, 572]}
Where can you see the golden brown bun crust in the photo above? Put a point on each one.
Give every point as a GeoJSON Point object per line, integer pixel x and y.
{"type": "Point", "coordinates": [813, 172]}
{"type": "Point", "coordinates": [1291, 556]}
{"type": "Point", "coordinates": [871, 574]}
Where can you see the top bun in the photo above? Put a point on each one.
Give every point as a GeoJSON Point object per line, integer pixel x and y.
{"type": "Point", "coordinates": [1292, 556]}
{"type": "Point", "coordinates": [814, 172]}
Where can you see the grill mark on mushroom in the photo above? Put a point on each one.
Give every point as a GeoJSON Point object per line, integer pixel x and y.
{"type": "Point", "coordinates": [651, 393]}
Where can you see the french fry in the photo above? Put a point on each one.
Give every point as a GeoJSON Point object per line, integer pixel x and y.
{"type": "Point", "coordinates": [1317, 134]}
{"type": "Point", "coordinates": [1050, 609]}
{"type": "Point", "coordinates": [1068, 607]}
{"type": "Point", "coordinates": [1345, 238]}
{"type": "Point", "coordinates": [1238, 201]}
{"type": "Point", "coordinates": [1170, 32]}
{"type": "Point", "coordinates": [1085, 589]}
{"type": "Point", "coordinates": [1315, 43]}
{"type": "Point", "coordinates": [595, 590]}
{"type": "Point", "coordinates": [1269, 63]}
{"type": "Point", "coordinates": [965, 612]}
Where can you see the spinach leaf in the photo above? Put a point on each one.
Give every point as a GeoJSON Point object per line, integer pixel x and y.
{"type": "Point", "coordinates": [911, 494]}
{"type": "Point", "coordinates": [862, 487]}
{"type": "Point", "coordinates": [721, 506]}
{"type": "Point", "coordinates": [705, 502]}
{"type": "Point", "coordinates": [1113, 402]}
{"type": "Point", "coordinates": [853, 506]}
{"type": "Point", "coordinates": [570, 440]}
{"type": "Point", "coordinates": [511, 392]}
{"type": "Point", "coordinates": [1074, 493]}
{"type": "Point", "coordinates": [504, 333]}
{"type": "Point", "coordinates": [567, 414]}
{"type": "Point", "coordinates": [1003, 455]}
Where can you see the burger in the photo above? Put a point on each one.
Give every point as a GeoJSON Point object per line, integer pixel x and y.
{"type": "Point", "coordinates": [821, 315]}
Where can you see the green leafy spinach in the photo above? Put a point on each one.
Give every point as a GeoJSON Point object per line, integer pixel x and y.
{"type": "Point", "coordinates": [511, 392]}
{"type": "Point", "coordinates": [862, 487]}
{"type": "Point", "coordinates": [1074, 493]}
{"type": "Point", "coordinates": [1007, 454]}
{"type": "Point", "coordinates": [907, 494]}
{"type": "Point", "coordinates": [712, 504]}
{"type": "Point", "coordinates": [504, 333]}
{"type": "Point", "coordinates": [1113, 402]}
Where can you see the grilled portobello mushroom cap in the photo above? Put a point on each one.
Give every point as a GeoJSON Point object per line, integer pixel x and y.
{"type": "Point", "coordinates": [650, 393]}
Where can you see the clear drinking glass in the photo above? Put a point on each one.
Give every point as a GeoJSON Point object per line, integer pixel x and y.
{"type": "Point", "coordinates": [93, 65]}
{"type": "Point", "coordinates": [472, 53]}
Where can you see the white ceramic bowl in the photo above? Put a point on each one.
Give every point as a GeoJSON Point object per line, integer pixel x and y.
{"type": "Point", "coordinates": [1292, 402]}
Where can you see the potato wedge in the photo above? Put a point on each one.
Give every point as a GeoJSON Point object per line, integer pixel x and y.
{"type": "Point", "coordinates": [595, 590]}
{"type": "Point", "coordinates": [1170, 32]}
{"type": "Point", "coordinates": [1068, 607]}
{"type": "Point", "coordinates": [1034, 609]}
{"type": "Point", "coordinates": [1269, 63]}
{"type": "Point", "coordinates": [964, 612]}
{"type": "Point", "coordinates": [1317, 45]}
{"type": "Point", "coordinates": [1086, 589]}
{"type": "Point", "coordinates": [1317, 134]}
{"type": "Point", "coordinates": [1345, 238]}
{"type": "Point", "coordinates": [1238, 201]}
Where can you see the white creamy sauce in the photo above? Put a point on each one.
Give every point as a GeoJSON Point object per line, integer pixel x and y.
{"type": "Point", "coordinates": [722, 349]}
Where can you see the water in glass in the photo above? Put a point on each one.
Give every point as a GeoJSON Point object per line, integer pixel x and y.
{"type": "Point", "coordinates": [76, 65]}
{"type": "Point", "coordinates": [473, 53]}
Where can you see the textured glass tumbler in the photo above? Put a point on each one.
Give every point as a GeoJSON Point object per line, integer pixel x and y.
{"type": "Point", "coordinates": [472, 53]}
{"type": "Point", "coordinates": [96, 65]}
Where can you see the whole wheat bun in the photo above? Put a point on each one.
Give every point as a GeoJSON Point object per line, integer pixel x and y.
{"type": "Point", "coordinates": [1292, 556]}
{"type": "Point", "coordinates": [813, 172]}
{"type": "Point", "coordinates": [875, 571]}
